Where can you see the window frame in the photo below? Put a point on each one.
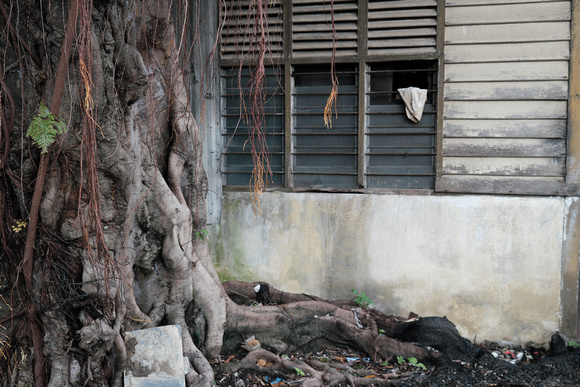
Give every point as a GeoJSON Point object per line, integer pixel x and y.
{"type": "Point", "coordinates": [361, 61]}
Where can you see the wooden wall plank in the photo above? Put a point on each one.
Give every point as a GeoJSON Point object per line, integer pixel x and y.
{"type": "Point", "coordinates": [385, 34]}
{"type": "Point", "coordinates": [507, 52]}
{"type": "Point", "coordinates": [324, 8]}
{"type": "Point", "coordinates": [323, 27]}
{"type": "Point", "coordinates": [505, 147]}
{"type": "Point", "coordinates": [508, 13]}
{"type": "Point", "coordinates": [401, 23]}
{"type": "Point", "coordinates": [532, 128]}
{"type": "Point", "coordinates": [505, 185]}
{"type": "Point", "coordinates": [452, 3]}
{"type": "Point", "coordinates": [300, 45]}
{"type": "Point", "coordinates": [307, 53]}
{"type": "Point", "coordinates": [323, 18]}
{"type": "Point", "coordinates": [507, 33]}
{"type": "Point", "coordinates": [316, 36]}
{"type": "Point", "coordinates": [308, 2]}
{"type": "Point", "coordinates": [402, 4]}
{"type": "Point", "coordinates": [411, 42]}
{"type": "Point", "coordinates": [506, 90]}
{"type": "Point", "coordinates": [508, 71]}
{"type": "Point", "coordinates": [408, 13]}
{"type": "Point", "coordinates": [505, 109]}
{"type": "Point", "coordinates": [404, 51]}
{"type": "Point", "coordinates": [504, 166]}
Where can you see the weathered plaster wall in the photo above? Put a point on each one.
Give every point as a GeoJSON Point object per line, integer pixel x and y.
{"type": "Point", "coordinates": [491, 264]}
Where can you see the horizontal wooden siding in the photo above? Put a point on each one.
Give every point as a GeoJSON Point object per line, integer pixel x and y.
{"type": "Point", "coordinates": [505, 95]}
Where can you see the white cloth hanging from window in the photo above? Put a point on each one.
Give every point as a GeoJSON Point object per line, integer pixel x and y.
{"type": "Point", "coordinates": [414, 99]}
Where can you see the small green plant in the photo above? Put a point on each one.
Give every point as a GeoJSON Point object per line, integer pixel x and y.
{"type": "Point", "coordinates": [361, 299]}
{"type": "Point", "coordinates": [44, 128]}
{"type": "Point", "coordinates": [381, 332]}
{"type": "Point", "coordinates": [573, 344]}
{"type": "Point", "coordinates": [299, 372]}
{"type": "Point", "coordinates": [411, 361]}
{"type": "Point", "coordinates": [201, 234]}
{"type": "Point", "coordinates": [385, 363]}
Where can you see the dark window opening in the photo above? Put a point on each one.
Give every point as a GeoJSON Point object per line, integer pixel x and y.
{"type": "Point", "coordinates": [400, 153]}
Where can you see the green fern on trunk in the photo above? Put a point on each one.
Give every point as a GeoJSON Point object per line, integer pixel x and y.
{"type": "Point", "coordinates": [44, 128]}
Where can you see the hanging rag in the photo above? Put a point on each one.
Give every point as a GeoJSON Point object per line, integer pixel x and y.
{"type": "Point", "coordinates": [414, 99]}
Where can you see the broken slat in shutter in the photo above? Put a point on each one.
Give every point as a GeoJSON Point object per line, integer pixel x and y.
{"type": "Point", "coordinates": [240, 34]}
{"type": "Point", "coordinates": [312, 28]}
{"type": "Point", "coordinates": [402, 27]}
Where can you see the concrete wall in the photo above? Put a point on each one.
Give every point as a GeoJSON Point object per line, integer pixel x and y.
{"type": "Point", "coordinates": [493, 265]}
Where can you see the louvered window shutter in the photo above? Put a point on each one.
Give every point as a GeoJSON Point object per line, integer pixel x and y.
{"type": "Point", "coordinates": [240, 34]}
{"type": "Point", "coordinates": [312, 28]}
{"type": "Point", "coordinates": [372, 144]}
{"type": "Point", "coordinates": [237, 126]}
{"type": "Point", "coordinates": [402, 27]}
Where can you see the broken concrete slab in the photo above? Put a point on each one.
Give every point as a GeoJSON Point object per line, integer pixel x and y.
{"type": "Point", "coordinates": [154, 358]}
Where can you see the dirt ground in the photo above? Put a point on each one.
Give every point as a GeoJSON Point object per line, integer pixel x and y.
{"type": "Point", "coordinates": [495, 366]}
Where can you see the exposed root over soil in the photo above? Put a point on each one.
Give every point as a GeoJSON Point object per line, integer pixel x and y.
{"type": "Point", "coordinates": [538, 368]}
{"type": "Point", "coordinates": [419, 351]}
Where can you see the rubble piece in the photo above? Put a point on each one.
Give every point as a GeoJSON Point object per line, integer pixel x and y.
{"type": "Point", "coordinates": [154, 358]}
{"type": "Point", "coordinates": [251, 344]}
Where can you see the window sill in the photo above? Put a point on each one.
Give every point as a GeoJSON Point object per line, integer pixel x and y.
{"type": "Point", "coordinates": [373, 191]}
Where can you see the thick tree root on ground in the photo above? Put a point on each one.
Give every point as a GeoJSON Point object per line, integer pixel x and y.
{"type": "Point", "coordinates": [291, 321]}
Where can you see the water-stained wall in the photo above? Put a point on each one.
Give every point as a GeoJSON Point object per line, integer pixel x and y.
{"type": "Point", "coordinates": [501, 268]}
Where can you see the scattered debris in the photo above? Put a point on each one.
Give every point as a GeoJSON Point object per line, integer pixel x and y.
{"type": "Point", "coordinates": [251, 344]}
{"type": "Point", "coordinates": [505, 364]}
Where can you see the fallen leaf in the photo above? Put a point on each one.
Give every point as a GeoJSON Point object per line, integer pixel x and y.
{"type": "Point", "coordinates": [261, 363]}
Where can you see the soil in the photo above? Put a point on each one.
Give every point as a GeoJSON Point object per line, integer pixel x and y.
{"type": "Point", "coordinates": [495, 366]}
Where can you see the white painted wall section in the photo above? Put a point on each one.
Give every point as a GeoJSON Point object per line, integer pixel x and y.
{"type": "Point", "coordinates": [491, 264]}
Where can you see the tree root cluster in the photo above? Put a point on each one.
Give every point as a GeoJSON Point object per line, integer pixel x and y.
{"type": "Point", "coordinates": [292, 322]}
{"type": "Point", "coordinates": [305, 372]}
